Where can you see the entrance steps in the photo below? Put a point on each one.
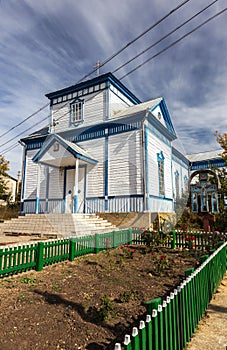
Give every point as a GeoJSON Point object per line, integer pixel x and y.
{"type": "Point", "coordinates": [56, 225]}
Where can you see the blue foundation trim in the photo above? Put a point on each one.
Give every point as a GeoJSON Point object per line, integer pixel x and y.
{"type": "Point", "coordinates": [37, 205]}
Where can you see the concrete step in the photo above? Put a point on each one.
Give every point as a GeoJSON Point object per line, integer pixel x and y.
{"type": "Point", "coordinates": [56, 224]}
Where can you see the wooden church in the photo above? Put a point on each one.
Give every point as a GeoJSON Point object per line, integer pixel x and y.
{"type": "Point", "coordinates": [104, 151]}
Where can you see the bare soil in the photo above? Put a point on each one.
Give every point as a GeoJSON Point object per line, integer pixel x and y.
{"type": "Point", "coordinates": [90, 303]}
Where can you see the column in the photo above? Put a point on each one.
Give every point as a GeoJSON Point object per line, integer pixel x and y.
{"type": "Point", "coordinates": [75, 194]}
{"type": "Point", "coordinates": [38, 190]}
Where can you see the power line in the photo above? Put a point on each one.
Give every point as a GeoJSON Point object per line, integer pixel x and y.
{"type": "Point", "coordinates": [173, 43]}
{"type": "Point", "coordinates": [24, 120]}
{"type": "Point", "coordinates": [31, 127]}
{"type": "Point", "coordinates": [164, 37]}
{"type": "Point", "coordinates": [101, 64]}
{"type": "Point", "coordinates": [105, 62]}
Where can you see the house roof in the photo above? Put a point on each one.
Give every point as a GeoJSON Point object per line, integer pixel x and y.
{"type": "Point", "coordinates": [199, 157]}
{"type": "Point", "coordinates": [75, 150]}
{"type": "Point", "coordinates": [108, 77]}
{"type": "Point", "coordinates": [148, 109]}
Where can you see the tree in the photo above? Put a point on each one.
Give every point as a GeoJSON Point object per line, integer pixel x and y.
{"type": "Point", "coordinates": [222, 140]}
{"type": "Point", "coordinates": [4, 167]}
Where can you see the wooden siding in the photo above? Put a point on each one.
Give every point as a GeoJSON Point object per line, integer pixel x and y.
{"type": "Point", "coordinates": [117, 104]}
{"type": "Point", "coordinates": [155, 145]}
{"type": "Point", "coordinates": [56, 183]}
{"type": "Point", "coordinates": [125, 164]}
{"type": "Point", "coordinates": [95, 111]}
{"type": "Point", "coordinates": [30, 176]}
{"type": "Point", "coordinates": [95, 173]}
{"type": "Point", "coordinates": [182, 171]}
{"type": "Point", "coordinates": [160, 205]}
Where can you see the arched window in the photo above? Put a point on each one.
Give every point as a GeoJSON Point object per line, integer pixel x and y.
{"type": "Point", "coordinates": [161, 175]}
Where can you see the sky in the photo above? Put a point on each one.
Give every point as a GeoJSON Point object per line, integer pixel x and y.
{"type": "Point", "coordinates": [49, 45]}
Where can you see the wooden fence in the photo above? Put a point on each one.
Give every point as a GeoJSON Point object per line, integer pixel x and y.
{"type": "Point", "coordinates": [20, 258]}
{"type": "Point", "coordinates": [170, 323]}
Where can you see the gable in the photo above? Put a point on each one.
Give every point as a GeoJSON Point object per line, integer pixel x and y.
{"type": "Point", "coordinates": [161, 113]}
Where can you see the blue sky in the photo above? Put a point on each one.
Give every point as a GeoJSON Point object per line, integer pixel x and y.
{"type": "Point", "coordinates": [48, 45]}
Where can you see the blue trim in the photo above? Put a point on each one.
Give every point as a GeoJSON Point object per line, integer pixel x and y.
{"type": "Point", "coordinates": [60, 140]}
{"type": "Point", "coordinates": [147, 167]}
{"type": "Point", "coordinates": [165, 114]}
{"type": "Point", "coordinates": [160, 128]}
{"type": "Point", "coordinates": [180, 156]}
{"type": "Point", "coordinates": [64, 189]}
{"type": "Point", "coordinates": [95, 81]}
{"type": "Point", "coordinates": [207, 164]}
{"type": "Point", "coordinates": [47, 186]}
{"type": "Point", "coordinates": [75, 101]}
{"type": "Point", "coordinates": [160, 159]}
{"type": "Point", "coordinates": [75, 203]}
{"type": "Point", "coordinates": [161, 198]}
{"type": "Point", "coordinates": [23, 180]}
{"type": "Point", "coordinates": [85, 186]}
{"type": "Point", "coordinates": [37, 205]}
{"type": "Point", "coordinates": [106, 172]}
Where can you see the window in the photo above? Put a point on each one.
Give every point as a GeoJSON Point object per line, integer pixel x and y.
{"type": "Point", "coordinates": [161, 177]}
{"type": "Point", "coordinates": [177, 186]}
{"type": "Point", "coordinates": [76, 111]}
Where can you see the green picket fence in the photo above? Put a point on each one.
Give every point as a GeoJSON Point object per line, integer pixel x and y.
{"type": "Point", "coordinates": [22, 258]}
{"type": "Point", "coordinates": [170, 323]}
{"type": "Point", "coordinates": [180, 239]}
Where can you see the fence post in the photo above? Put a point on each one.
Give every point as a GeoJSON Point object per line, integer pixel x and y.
{"type": "Point", "coordinates": [142, 336]}
{"type": "Point", "coordinates": [135, 339]}
{"type": "Point", "coordinates": [149, 332]}
{"type": "Point", "coordinates": [1, 255]}
{"type": "Point", "coordinates": [97, 249]}
{"type": "Point", "coordinates": [114, 239]}
{"type": "Point", "coordinates": [188, 272]}
{"type": "Point", "coordinates": [153, 305]}
{"type": "Point", "coordinates": [173, 241]}
{"type": "Point", "coordinates": [203, 258]}
{"type": "Point", "coordinates": [130, 235]}
{"type": "Point", "coordinates": [72, 248]}
{"type": "Point", "coordinates": [39, 257]}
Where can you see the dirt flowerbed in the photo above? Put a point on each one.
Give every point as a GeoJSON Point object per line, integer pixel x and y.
{"type": "Point", "coordinates": [90, 303]}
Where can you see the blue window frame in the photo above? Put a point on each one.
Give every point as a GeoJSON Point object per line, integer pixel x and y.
{"type": "Point", "coordinates": [177, 185]}
{"type": "Point", "coordinates": [161, 174]}
{"type": "Point", "coordinates": [77, 111]}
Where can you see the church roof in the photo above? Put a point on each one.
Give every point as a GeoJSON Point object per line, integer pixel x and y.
{"type": "Point", "coordinates": [198, 157]}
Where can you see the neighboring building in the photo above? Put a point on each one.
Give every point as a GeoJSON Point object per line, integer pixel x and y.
{"type": "Point", "coordinates": [204, 193]}
{"type": "Point", "coordinates": [11, 188]}
{"type": "Point", "coordinates": [105, 151]}
{"type": "Point", "coordinates": [206, 160]}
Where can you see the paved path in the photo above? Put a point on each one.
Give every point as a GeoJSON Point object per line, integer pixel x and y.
{"type": "Point", "coordinates": [212, 329]}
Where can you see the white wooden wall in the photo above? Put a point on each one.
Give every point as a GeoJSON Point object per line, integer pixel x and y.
{"type": "Point", "coordinates": [95, 111]}
{"type": "Point", "coordinates": [117, 103]}
{"type": "Point", "coordinates": [183, 171]}
{"type": "Point", "coordinates": [155, 145]}
{"type": "Point", "coordinates": [95, 173]}
{"type": "Point", "coordinates": [125, 164]}
{"type": "Point", "coordinates": [56, 181]}
{"type": "Point", "coordinates": [30, 176]}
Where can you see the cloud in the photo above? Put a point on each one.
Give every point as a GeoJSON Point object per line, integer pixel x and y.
{"type": "Point", "coordinates": [48, 45]}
